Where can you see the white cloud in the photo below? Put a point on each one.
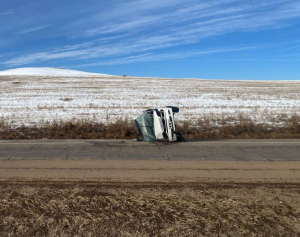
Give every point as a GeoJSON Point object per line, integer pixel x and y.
{"type": "Point", "coordinates": [169, 56]}
{"type": "Point", "coordinates": [255, 14]}
{"type": "Point", "coordinates": [7, 13]}
{"type": "Point", "coordinates": [289, 48]}
{"type": "Point", "coordinates": [32, 29]}
{"type": "Point", "coordinates": [144, 27]}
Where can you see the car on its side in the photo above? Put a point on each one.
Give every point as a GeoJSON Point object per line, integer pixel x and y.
{"type": "Point", "coordinates": [159, 125]}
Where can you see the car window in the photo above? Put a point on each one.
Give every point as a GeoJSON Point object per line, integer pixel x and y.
{"type": "Point", "coordinates": [145, 126]}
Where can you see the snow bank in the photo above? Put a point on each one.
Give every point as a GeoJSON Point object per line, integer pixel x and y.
{"type": "Point", "coordinates": [47, 71]}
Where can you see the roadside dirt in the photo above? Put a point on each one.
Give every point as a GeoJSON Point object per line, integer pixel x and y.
{"type": "Point", "coordinates": [136, 171]}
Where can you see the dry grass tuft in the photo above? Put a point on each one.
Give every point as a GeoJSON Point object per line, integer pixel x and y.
{"type": "Point", "coordinates": [66, 99]}
{"type": "Point", "coordinates": [244, 128]}
{"type": "Point", "coordinates": [156, 211]}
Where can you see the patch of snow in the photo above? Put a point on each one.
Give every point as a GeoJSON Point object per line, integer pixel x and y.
{"type": "Point", "coordinates": [48, 71]}
{"type": "Point", "coordinates": [36, 100]}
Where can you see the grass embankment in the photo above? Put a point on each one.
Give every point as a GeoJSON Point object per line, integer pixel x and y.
{"type": "Point", "coordinates": [33, 210]}
{"type": "Point", "coordinates": [125, 129]}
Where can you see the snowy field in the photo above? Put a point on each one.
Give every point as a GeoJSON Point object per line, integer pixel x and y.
{"type": "Point", "coordinates": [35, 99]}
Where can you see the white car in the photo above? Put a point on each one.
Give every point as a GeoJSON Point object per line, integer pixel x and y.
{"type": "Point", "coordinates": [159, 124]}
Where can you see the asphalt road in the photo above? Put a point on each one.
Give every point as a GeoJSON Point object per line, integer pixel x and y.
{"type": "Point", "coordinates": [225, 150]}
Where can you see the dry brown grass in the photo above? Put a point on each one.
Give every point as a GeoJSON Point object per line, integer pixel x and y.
{"type": "Point", "coordinates": [33, 210]}
{"type": "Point", "coordinates": [72, 130]}
{"type": "Point", "coordinates": [244, 128]}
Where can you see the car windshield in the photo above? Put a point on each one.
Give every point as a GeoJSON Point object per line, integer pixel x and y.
{"type": "Point", "coordinates": [145, 126]}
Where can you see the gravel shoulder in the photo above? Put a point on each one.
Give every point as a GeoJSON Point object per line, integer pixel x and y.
{"type": "Point", "coordinates": [137, 171]}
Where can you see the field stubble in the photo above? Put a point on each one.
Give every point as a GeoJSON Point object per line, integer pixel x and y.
{"type": "Point", "coordinates": [36, 100]}
{"type": "Point", "coordinates": [87, 210]}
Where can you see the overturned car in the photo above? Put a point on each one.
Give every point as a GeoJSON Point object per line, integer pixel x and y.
{"type": "Point", "coordinates": [159, 124]}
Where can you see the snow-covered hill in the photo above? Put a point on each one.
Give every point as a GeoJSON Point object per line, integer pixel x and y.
{"type": "Point", "coordinates": [47, 71]}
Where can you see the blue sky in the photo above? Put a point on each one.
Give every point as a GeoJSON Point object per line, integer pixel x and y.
{"type": "Point", "coordinates": [217, 39]}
